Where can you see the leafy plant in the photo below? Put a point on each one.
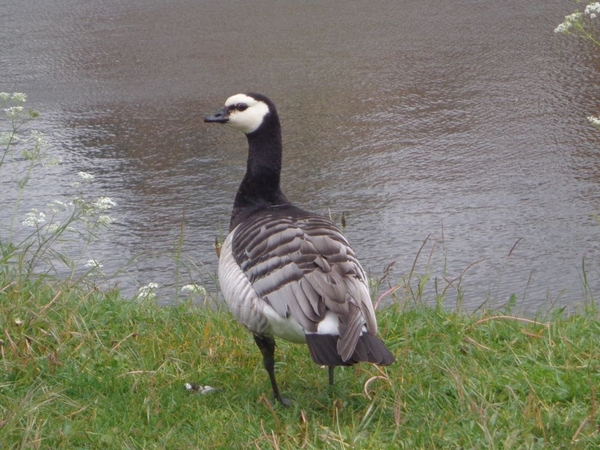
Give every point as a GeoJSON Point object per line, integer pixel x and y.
{"type": "Point", "coordinates": [36, 241]}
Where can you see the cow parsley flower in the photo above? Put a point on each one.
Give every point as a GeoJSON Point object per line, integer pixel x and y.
{"type": "Point", "coordinates": [38, 139]}
{"type": "Point", "coordinates": [18, 97]}
{"type": "Point", "coordinates": [57, 206]}
{"type": "Point", "coordinates": [85, 176]}
{"type": "Point", "coordinates": [594, 121]}
{"type": "Point", "coordinates": [568, 23]}
{"type": "Point", "coordinates": [14, 112]}
{"type": "Point", "coordinates": [93, 264]}
{"type": "Point", "coordinates": [15, 97]}
{"type": "Point", "coordinates": [34, 218]}
{"type": "Point", "coordinates": [104, 203]}
{"type": "Point", "coordinates": [6, 138]}
{"type": "Point", "coordinates": [53, 227]}
{"type": "Point", "coordinates": [105, 220]}
{"type": "Point", "coordinates": [193, 289]}
{"type": "Point", "coordinates": [592, 10]}
{"type": "Point", "coordinates": [148, 291]}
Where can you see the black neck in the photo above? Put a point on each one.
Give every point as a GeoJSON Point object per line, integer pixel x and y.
{"type": "Point", "coordinates": [260, 187]}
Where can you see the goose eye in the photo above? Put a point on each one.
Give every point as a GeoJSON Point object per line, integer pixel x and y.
{"type": "Point", "coordinates": [241, 107]}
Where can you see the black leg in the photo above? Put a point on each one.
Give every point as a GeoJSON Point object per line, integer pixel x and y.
{"type": "Point", "coordinates": [331, 375]}
{"type": "Point", "coordinates": [266, 344]}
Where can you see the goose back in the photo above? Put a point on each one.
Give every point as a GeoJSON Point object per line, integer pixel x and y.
{"type": "Point", "coordinates": [300, 266]}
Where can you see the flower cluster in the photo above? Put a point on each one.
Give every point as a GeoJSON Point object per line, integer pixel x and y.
{"type": "Point", "coordinates": [60, 217]}
{"type": "Point", "coordinates": [13, 112]}
{"type": "Point", "coordinates": [194, 289]}
{"type": "Point", "coordinates": [104, 203]}
{"type": "Point", "coordinates": [16, 113]}
{"type": "Point", "coordinates": [574, 22]}
{"type": "Point", "coordinates": [569, 23]}
{"type": "Point", "coordinates": [93, 264]}
{"type": "Point", "coordinates": [594, 121]}
{"type": "Point", "coordinates": [34, 218]}
{"type": "Point", "coordinates": [148, 291]}
{"type": "Point", "coordinates": [57, 206]}
{"type": "Point", "coordinates": [592, 10]}
{"type": "Point", "coordinates": [85, 176]}
{"type": "Point", "coordinates": [15, 97]}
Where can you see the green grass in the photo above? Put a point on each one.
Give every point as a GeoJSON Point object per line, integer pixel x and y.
{"type": "Point", "coordinates": [86, 369]}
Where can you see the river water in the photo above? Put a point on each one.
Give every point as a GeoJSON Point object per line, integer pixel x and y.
{"type": "Point", "coordinates": [452, 134]}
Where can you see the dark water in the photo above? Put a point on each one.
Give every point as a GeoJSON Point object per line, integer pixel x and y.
{"type": "Point", "coordinates": [462, 123]}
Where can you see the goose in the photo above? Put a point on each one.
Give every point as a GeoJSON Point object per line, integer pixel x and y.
{"type": "Point", "coordinates": [286, 272]}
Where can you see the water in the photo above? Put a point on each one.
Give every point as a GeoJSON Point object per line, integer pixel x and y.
{"type": "Point", "coordinates": [462, 125]}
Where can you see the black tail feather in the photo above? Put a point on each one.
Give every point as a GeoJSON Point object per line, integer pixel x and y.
{"type": "Point", "coordinates": [323, 350]}
{"type": "Point", "coordinates": [369, 348]}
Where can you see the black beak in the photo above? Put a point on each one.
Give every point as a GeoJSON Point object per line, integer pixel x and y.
{"type": "Point", "coordinates": [219, 117]}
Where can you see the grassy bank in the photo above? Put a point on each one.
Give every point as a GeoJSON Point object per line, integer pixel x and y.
{"type": "Point", "coordinates": [85, 369]}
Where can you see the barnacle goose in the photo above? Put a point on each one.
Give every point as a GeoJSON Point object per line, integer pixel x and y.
{"type": "Point", "coordinates": [287, 272]}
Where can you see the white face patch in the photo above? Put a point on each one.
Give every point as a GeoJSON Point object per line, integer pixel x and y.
{"type": "Point", "coordinates": [250, 118]}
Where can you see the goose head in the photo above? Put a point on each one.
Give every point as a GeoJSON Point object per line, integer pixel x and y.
{"type": "Point", "coordinates": [244, 112]}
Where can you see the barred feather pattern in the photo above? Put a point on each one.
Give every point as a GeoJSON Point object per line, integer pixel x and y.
{"type": "Point", "coordinates": [286, 261]}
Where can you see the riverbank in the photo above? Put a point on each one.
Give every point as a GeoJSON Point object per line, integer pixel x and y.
{"type": "Point", "coordinates": [83, 368]}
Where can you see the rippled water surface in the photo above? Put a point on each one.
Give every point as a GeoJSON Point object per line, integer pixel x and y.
{"type": "Point", "coordinates": [460, 123]}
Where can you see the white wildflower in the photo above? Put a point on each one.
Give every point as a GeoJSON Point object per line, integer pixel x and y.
{"type": "Point", "coordinates": [18, 97]}
{"type": "Point", "coordinates": [93, 264]}
{"type": "Point", "coordinates": [105, 220]}
{"type": "Point", "coordinates": [148, 290]}
{"type": "Point", "coordinates": [573, 17]}
{"type": "Point", "coordinates": [194, 289]}
{"type": "Point", "coordinates": [33, 218]}
{"type": "Point", "coordinates": [4, 96]}
{"type": "Point", "coordinates": [85, 176]}
{"type": "Point", "coordinates": [53, 227]}
{"type": "Point", "coordinates": [104, 203]}
{"type": "Point", "coordinates": [562, 28]}
{"type": "Point", "coordinates": [5, 138]}
{"type": "Point", "coordinates": [38, 138]}
{"type": "Point", "coordinates": [14, 112]}
{"type": "Point", "coordinates": [19, 139]}
{"type": "Point", "coordinates": [568, 23]}
{"type": "Point", "coordinates": [592, 10]}
{"type": "Point", "coordinates": [57, 206]}
{"type": "Point", "coordinates": [594, 121]}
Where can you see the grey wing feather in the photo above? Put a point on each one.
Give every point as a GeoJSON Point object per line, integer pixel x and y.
{"type": "Point", "coordinates": [303, 266]}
